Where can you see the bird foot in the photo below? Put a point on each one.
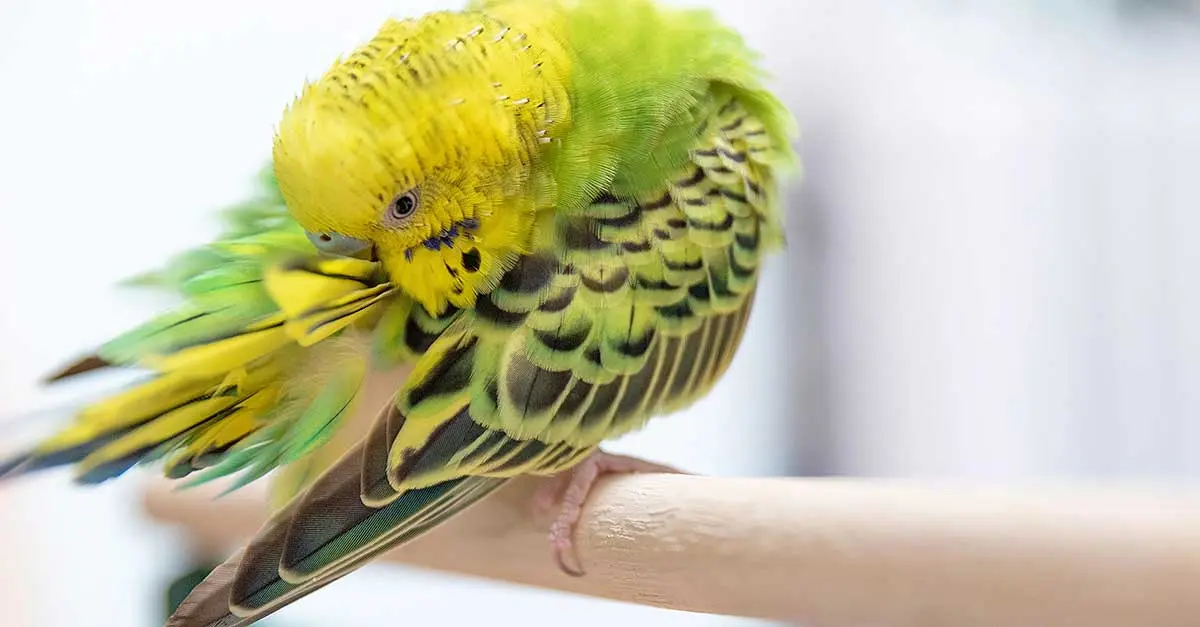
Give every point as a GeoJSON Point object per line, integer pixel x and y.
{"type": "Point", "coordinates": [569, 490]}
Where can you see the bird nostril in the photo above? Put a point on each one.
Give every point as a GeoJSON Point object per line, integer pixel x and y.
{"type": "Point", "coordinates": [326, 238]}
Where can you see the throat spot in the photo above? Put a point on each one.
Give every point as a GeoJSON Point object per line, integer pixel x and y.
{"type": "Point", "coordinates": [448, 237]}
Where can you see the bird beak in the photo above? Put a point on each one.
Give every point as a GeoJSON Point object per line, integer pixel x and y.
{"type": "Point", "coordinates": [341, 246]}
{"type": "Point", "coordinates": [367, 254]}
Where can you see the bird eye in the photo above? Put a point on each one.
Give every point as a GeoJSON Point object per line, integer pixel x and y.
{"type": "Point", "coordinates": [337, 244]}
{"type": "Point", "coordinates": [403, 206]}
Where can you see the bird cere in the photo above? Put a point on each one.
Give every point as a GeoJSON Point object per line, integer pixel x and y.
{"type": "Point", "coordinates": [557, 227]}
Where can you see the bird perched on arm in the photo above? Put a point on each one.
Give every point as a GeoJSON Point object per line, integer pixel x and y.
{"type": "Point", "coordinates": [554, 210]}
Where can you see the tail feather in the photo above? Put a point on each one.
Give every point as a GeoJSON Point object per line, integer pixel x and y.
{"type": "Point", "coordinates": [208, 603]}
{"type": "Point", "coordinates": [318, 538]}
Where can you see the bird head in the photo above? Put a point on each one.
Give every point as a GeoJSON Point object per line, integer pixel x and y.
{"type": "Point", "coordinates": [419, 149]}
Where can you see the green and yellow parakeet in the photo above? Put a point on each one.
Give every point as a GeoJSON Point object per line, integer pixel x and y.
{"type": "Point", "coordinates": [554, 211]}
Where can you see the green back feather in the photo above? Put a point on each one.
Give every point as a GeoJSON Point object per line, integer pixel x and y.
{"type": "Point", "coordinates": [633, 129]}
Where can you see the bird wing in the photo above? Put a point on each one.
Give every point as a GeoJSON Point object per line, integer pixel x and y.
{"type": "Point", "coordinates": [254, 370]}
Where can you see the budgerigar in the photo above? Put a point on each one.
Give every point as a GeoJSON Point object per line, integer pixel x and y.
{"type": "Point", "coordinates": [554, 210]}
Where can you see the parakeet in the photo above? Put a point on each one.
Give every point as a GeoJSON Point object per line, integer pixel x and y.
{"type": "Point", "coordinates": [554, 211]}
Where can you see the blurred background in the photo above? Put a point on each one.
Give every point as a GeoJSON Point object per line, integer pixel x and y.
{"type": "Point", "coordinates": [989, 274]}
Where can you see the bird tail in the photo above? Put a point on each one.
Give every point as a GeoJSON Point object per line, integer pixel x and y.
{"type": "Point", "coordinates": [318, 538]}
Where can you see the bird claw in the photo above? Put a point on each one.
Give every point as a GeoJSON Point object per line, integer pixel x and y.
{"type": "Point", "coordinates": [570, 489]}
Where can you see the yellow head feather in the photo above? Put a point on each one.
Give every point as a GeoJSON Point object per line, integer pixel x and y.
{"type": "Point", "coordinates": [446, 113]}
